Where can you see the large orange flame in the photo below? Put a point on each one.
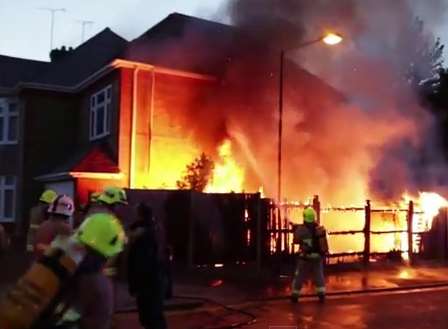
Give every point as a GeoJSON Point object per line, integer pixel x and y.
{"type": "Point", "coordinates": [228, 176]}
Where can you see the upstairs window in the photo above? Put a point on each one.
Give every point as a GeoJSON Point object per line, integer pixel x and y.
{"type": "Point", "coordinates": [7, 198]}
{"type": "Point", "coordinates": [100, 113]}
{"type": "Point", "coordinates": [9, 122]}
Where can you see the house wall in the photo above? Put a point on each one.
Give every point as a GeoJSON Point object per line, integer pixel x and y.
{"type": "Point", "coordinates": [164, 140]}
{"type": "Point", "coordinates": [50, 126]}
{"type": "Point", "coordinates": [10, 160]}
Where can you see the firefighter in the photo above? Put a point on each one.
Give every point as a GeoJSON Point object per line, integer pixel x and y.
{"type": "Point", "coordinates": [38, 292]}
{"type": "Point", "coordinates": [38, 215]}
{"type": "Point", "coordinates": [312, 240]}
{"type": "Point", "coordinates": [58, 223]}
{"type": "Point", "coordinates": [93, 292]}
{"type": "Point", "coordinates": [146, 269]}
{"type": "Point", "coordinates": [107, 201]}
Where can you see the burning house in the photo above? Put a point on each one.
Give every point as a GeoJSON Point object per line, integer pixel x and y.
{"type": "Point", "coordinates": [135, 114]}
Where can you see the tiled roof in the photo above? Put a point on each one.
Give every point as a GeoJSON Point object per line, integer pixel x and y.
{"type": "Point", "coordinates": [85, 60]}
{"type": "Point", "coordinates": [14, 70]}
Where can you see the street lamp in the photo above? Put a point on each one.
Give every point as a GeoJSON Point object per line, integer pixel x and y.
{"type": "Point", "coordinates": [330, 39]}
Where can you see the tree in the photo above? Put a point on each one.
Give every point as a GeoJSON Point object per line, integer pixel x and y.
{"type": "Point", "coordinates": [426, 58]}
{"type": "Point", "coordinates": [197, 174]}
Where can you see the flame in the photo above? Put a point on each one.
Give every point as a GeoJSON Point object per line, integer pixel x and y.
{"type": "Point", "coordinates": [228, 176]}
{"type": "Point", "coordinates": [430, 204]}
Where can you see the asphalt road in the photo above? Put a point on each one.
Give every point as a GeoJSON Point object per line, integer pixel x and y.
{"type": "Point", "coordinates": [416, 310]}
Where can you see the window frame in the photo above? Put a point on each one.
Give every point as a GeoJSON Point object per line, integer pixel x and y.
{"type": "Point", "coordinates": [7, 115]}
{"type": "Point", "coordinates": [8, 187]}
{"type": "Point", "coordinates": [94, 107]}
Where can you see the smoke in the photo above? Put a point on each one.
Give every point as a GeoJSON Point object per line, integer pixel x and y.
{"type": "Point", "coordinates": [378, 141]}
{"type": "Point", "coordinates": [356, 132]}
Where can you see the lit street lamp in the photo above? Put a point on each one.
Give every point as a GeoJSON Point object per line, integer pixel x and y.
{"type": "Point", "coordinates": [330, 39]}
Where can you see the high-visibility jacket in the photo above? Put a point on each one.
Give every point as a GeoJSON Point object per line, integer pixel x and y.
{"type": "Point", "coordinates": [38, 214]}
{"type": "Point", "coordinates": [47, 232]}
{"type": "Point", "coordinates": [312, 239]}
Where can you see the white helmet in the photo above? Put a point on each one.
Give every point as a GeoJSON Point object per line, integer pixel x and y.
{"type": "Point", "coordinates": [62, 205]}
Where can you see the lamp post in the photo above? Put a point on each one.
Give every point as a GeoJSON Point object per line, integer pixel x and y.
{"type": "Point", "coordinates": [330, 39]}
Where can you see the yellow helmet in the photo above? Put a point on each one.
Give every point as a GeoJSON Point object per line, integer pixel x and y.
{"type": "Point", "coordinates": [309, 215]}
{"type": "Point", "coordinates": [103, 233]}
{"type": "Point", "coordinates": [113, 195]}
{"type": "Point", "coordinates": [48, 196]}
{"type": "Point", "coordinates": [94, 196]}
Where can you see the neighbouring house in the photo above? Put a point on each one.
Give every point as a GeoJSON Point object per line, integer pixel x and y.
{"type": "Point", "coordinates": [109, 112]}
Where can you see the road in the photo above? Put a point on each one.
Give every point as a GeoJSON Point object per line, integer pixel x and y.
{"type": "Point", "coordinates": [416, 310]}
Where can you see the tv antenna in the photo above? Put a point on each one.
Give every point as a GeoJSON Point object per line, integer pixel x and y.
{"type": "Point", "coordinates": [53, 12]}
{"type": "Point", "coordinates": [84, 24]}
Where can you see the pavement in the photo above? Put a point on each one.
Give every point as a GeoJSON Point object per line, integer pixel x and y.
{"type": "Point", "coordinates": [394, 302]}
{"type": "Point", "coordinates": [414, 309]}
{"type": "Point", "coordinates": [201, 293]}
{"type": "Point", "coordinates": [238, 285]}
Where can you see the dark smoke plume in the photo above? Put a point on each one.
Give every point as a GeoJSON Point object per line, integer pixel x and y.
{"type": "Point", "coordinates": [380, 137]}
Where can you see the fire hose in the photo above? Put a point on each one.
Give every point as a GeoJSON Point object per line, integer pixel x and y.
{"type": "Point", "coordinates": [251, 318]}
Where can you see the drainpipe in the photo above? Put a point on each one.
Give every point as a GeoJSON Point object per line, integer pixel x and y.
{"type": "Point", "coordinates": [133, 128]}
{"type": "Point", "coordinates": [151, 124]}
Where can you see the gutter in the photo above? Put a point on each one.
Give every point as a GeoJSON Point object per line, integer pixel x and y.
{"type": "Point", "coordinates": [117, 63]}
{"type": "Point", "coordinates": [80, 174]}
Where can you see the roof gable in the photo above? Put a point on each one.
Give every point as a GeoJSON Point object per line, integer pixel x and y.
{"type": "Point", "coordinates": [85, 60]}
{"type": "Point", "coordinates": [186, 43]}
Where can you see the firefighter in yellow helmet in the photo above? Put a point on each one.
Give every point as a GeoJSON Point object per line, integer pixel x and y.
{"type": "Point", "coordinates": [312, 239]}
{"type": "Point", "coordinates": [37, 299]}
{"type": "Point", "coordinates": [107, 201]}
{"type": "Point", "coordinates": [94, 292]}
{"type": "Point", "coordinates": [38, 214]}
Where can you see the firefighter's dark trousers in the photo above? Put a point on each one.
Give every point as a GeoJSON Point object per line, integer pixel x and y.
{"type": "Point", "coordinates": [305, 267]}
{"type": "Point", "coordinates": [150, 309]}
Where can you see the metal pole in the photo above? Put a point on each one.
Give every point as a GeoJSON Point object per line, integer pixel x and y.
{"type": "Point", "coordinates": [367, 226]}
{"type": "Point", "coordinates": [279, 147]}
{"type": "Point", "coordinates": [316, 207]}
{"type": "Point", "coordinates": [52, 30]}
{"type": "Point", "coordinates": [258, 236]}
{"type": "Point", "coordinates": [84, 23]}
{"type": "Point", "coordinates": [280, 134]}
{"type": "Point", "coordinates": [280, 128]}
{"type": "Point", "coordinates": [410, 231]}
{"type": "Point", "coordinates": [52, 11]}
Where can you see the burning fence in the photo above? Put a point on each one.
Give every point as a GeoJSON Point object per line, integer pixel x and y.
{"type": "Point", "coordinates": [362, 231]}
{"type": "Point", "coordinates": [217, 228]}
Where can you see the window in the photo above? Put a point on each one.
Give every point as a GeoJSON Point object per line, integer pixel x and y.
{"type": "Point", "coordinates": [9, 121]}
{"type": "Point", "coordinates": [100, 113]}
{"type": "Point", "coordinates": [7, 198]}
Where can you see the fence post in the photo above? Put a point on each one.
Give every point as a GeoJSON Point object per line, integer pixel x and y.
{"type": "Point", "coordinates": [367, 228]}
{"type": "Point", "coordinates": [191, 235]}
{"type": "Point", "coordinates": [316, 207]}
{"type": "Point", "coordinates": [259, 237]}
{"type": "Point", "coordinates": [410, 220]}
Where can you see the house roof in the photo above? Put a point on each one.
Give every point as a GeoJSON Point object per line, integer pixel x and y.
{"type": "Point", "coordinates": [85, 60]}
{"type": "Point", "coordinates": [186, 43]}
{"type": "Point", "coordinates": [178, 42]}
{"type": "Point", "coordinates": [14, 70]}
{"type": "Point", "coordinates": [96, 159]}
